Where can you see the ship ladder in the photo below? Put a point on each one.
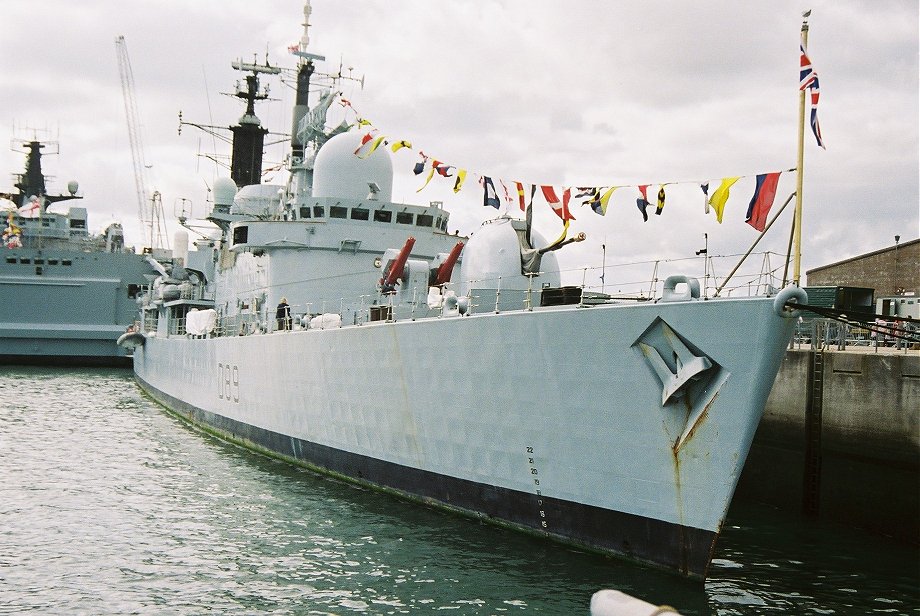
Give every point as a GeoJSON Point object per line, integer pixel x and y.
{"type": "Point", "coordinates": [811, 495]}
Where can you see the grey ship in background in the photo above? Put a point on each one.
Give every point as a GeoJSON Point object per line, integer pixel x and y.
{"type": "Point", "coordinates": [66, 295]}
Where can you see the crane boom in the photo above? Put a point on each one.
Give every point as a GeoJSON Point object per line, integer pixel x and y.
{"type": "Point", "coordinates": [134, 137]}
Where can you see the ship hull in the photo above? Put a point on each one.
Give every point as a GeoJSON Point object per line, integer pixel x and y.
{"type": "Point", "coordinates": [559, 421]}
{"type": "Point", "coordinates": [63, 307]}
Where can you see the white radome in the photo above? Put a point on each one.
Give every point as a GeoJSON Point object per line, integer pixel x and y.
{"type": "Point", "coordinates": [338, 172]}
{"type": "Point", "coordinates": [257, 199]}
{"type": "Point", "coordinates": [224, 191]}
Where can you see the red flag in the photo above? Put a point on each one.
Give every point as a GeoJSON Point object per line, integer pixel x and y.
{"type": "Point", "coordinates": [364, 141]}
{"type": "Point", "coordinates": [762, 201]}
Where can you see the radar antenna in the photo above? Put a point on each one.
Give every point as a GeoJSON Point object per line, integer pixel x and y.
{"type": "Point", "coordinates": [247, 138]}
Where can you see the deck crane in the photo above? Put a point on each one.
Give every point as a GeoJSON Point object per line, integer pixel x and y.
{"type": "Point", "coordinates": [151, 217]}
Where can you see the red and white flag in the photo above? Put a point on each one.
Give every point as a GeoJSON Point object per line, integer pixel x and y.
{"type": "Point", "coordinates": [560, 206]}
{"type": "Point", "coordinates": [32, 209]}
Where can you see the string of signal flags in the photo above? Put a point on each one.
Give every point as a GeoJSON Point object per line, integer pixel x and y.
{"type": "Point", "coordinates": [598, 197]}
{"type": "Point", "coordinates": [559, 198]}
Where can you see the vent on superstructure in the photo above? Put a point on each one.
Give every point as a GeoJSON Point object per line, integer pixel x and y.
{"type": "Point", "coordinates": [349, 246]}
{"type": "Point", "coordinates": [560, 296]}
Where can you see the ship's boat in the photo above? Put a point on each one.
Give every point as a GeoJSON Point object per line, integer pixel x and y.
{"type": "Point", "coordinates": [329, 326]}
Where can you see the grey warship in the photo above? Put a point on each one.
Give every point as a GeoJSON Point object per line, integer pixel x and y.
{"type": "Point", "coordinates": [66, 294]}
{"type": "Point", "coordinates": [457, 371]}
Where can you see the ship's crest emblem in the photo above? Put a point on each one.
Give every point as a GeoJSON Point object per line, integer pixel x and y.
{"type": "Point", "coordinates": [690, 379]}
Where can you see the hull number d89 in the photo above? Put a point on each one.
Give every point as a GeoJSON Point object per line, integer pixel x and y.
{"type": "Point", "coordinates": [228, 382]}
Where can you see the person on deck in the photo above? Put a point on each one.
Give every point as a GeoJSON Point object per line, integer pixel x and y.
{"type": "Point", "coordinates": [283, 315]}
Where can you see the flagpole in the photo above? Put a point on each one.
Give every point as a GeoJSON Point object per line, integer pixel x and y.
{"type": "Point", "coordinates": [604, 264]}
{"type": "Point", "coordinates": [797, 224]}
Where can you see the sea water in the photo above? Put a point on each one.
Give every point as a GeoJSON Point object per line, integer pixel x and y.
{"type": "Point", "coordinates": [111, 505]}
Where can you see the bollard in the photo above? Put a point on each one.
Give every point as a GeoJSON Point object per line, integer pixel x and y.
{"type": "Point", "coordinates": [615, 603]}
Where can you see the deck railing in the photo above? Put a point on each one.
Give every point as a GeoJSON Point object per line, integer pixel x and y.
{"type": "Point", "coordinates": [828, 334]}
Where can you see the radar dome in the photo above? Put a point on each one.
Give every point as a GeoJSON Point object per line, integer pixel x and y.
{"type": "Point", "coordinates": [180, 243]}
{"type": "Point", "coordinates": [257, 200]}
{"type": "Point", "coordinates": [338, 172]}
{"type": "Point", "coordinates": [224, 191]}
{"type": "Point", "coordinates": [73, 186]}
{"type": "Point", "coordinates": [494, 251]}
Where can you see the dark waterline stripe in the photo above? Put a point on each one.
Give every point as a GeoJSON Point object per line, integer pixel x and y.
{"type": "Point", "coordinates": [681, 549]}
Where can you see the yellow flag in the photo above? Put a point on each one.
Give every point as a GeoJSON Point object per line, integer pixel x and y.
{"type": "Point", "coordinates": [605, 199]}
{"type": "Point", "coordinates": [428, 179]}
{"type": "Point", "coordinates": [373, 146]}
{"type": "Point", "coordinates": [720, 196]}
{"type": "Point", "coordinates": [401, 144]}
{"type": "Point", "coordinates": [461, 176]}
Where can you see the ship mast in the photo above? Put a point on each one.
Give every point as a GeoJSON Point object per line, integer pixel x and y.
{"type": "Point", "coordinates": [248, 133]}
{"type": "Point", "coordinates": [247, 140]}
{"type": "Point", "coordinates": [31, 183]}
{"type": "Point", "coordinates": [301, 169]}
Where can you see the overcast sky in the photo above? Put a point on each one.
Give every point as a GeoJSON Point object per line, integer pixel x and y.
{"type": "Point", "coordinates": [583, 93]}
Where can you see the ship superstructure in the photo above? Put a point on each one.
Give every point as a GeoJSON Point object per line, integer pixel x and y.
{"type": "Point", "coordinates": [66, 294]}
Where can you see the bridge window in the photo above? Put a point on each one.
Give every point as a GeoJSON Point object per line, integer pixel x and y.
{"type": "Point", "coordinates": [424, 220]}
{"type": "Point", "coordinates": [319, 211]}
{"type": "Point", "coordinates": [240, 235]}
{"type": "Point", "coordinates": [405, 218]}
{"type": "Point", "coordinates": [337, 211]}
{"type": "Point", "coordinates": [359, 213]}
{"type": "Point", "coordinates": [383, 216]}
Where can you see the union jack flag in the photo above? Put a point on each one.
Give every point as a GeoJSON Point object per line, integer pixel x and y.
{"type": "Point", "coordinates": [806, 72]}
{"type": "Point", "coordinates": [815, 95]}
{"type": "Point", "coordinates": [808, 80]}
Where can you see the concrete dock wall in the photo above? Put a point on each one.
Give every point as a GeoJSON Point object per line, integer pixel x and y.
{"type": "Point", "coordinates": [863, 467]}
